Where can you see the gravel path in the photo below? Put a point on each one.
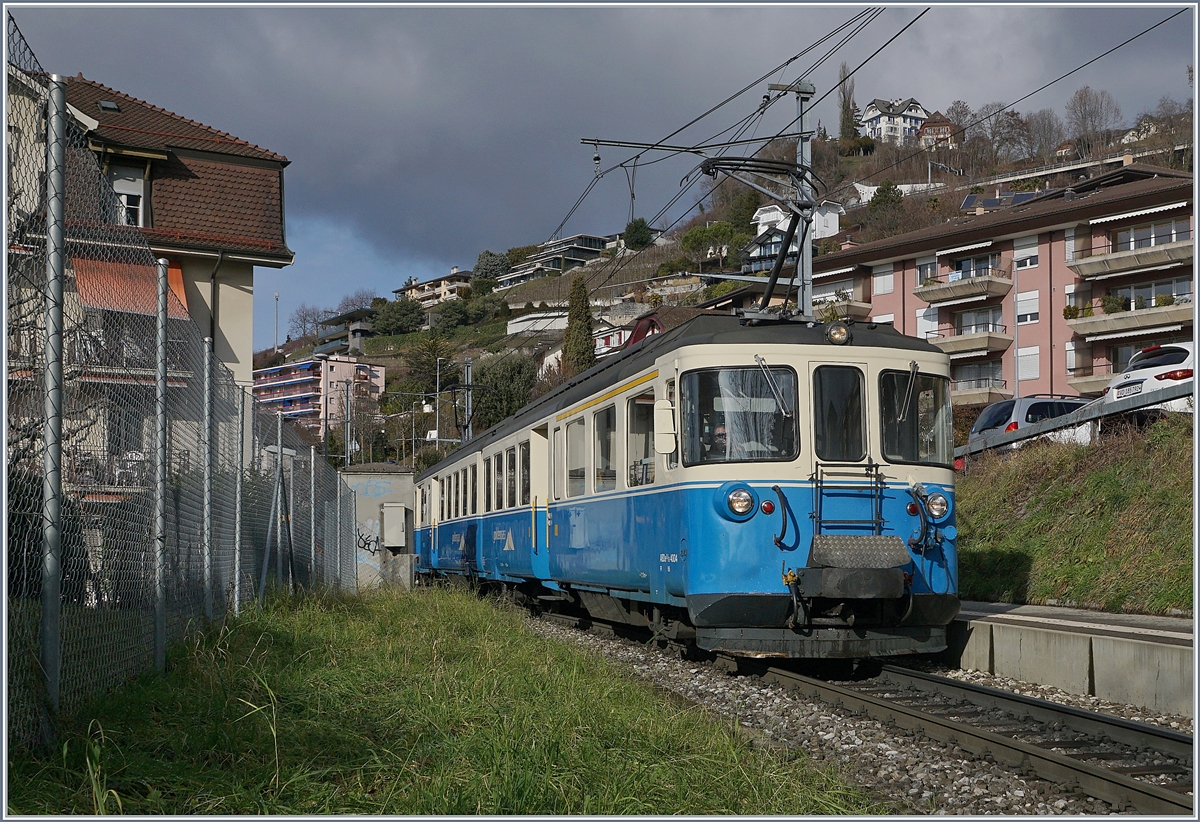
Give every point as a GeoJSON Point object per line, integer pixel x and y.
{"type": "Point", "coordinates": [918, 775]}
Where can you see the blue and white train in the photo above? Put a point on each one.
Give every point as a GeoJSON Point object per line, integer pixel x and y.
{"type": "Point", "coordinates": [779, 489]}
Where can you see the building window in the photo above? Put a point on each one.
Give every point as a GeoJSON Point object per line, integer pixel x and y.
{"type": "Point", "coordinates": [926, 271]}
{"type": "Point", "coordinates": [979, 321]}
{"type": "Point", "coordinates": [128, 183]}
{"type": "Point", "coordinates": [986, 374]}
{"type": "Point", "coordinates": [1160, 293]}
{"type": "Point", "coordinates": [981, 266]}
{"type": "Point", "coordinates": [1025, 252]}
{"type": "Point", "coordinates": [881, 280]}
{"type": "Point", "coordinates": [1028, 363]}
{"type": "Point", "coordinates": [833, 292]}
{"type": "Point", "coordinates": [1150, 234]}
{"type": "Point", "coordinates": [1027, 307]}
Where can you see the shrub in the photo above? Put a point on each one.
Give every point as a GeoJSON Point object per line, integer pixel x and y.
{"type": "Point", "coordinates": [1088, 310]}
{"type": "Point", "coordinates": [1114, 303]}
{"type": "Point", "coordinates": [1070, 312]}
{"type": "Point", "coordinates": [1164, 300]}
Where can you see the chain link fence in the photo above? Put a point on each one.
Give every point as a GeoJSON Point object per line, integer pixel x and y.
{"type": "Point", "coordinates": [146, 493]}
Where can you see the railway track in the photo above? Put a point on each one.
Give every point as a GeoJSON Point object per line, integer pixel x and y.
{"type": "Point", "coordinates": [1127, 764]}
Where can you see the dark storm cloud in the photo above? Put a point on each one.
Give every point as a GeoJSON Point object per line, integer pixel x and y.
{"type": "Point", "coordinates": [437, 132]}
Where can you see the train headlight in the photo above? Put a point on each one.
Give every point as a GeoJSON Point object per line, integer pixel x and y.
{"type": "Point", "coordinates": [838, 333]}
{"type": "Point", "coordinates": [741, 502]}
{"type": "Point", "coordinates": [938, 505]}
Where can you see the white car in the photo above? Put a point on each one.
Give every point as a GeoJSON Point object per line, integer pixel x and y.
{"type": "Point", "coordinates": [1158, 366]}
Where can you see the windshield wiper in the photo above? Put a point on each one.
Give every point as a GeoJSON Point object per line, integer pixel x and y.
{"type": "Point", "coordinates": [912, 381]}
{"type": "Point", "coordinates": [774, 387]}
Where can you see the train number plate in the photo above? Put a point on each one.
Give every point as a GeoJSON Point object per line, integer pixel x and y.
{"type": "Point", "coordinates": [1129, 390]}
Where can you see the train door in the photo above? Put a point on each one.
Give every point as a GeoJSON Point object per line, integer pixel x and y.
{"type": "Point", "coordinates": [538, 494]}
{"type": "Point", "coordinates": [847, 491]}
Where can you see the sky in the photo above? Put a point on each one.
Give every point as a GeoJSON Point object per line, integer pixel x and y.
{"type": "Point", "coordinates": [420, 136]}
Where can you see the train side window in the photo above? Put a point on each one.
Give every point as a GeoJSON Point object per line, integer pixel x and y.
{"type": "Point", "coordinates": [576, 458]}
{"type": "Point", "coordinates": [424, 505]}
{"type": "Point", "coordinates": [641, 440]}
{"type": "Point", "coordinates": [604, 424]}
{"type": "Point", "coordinates": [510, 459]}
{"type": "Point", "coordinates": [558, 462]}
{"type": "Point", "coordinates": [524, 452]}
{"type": "Point", "coordinates": [838, 413]}
{"type": "Point", "coordinates": [673, 457]}
{"type": "Point", "coordinates": [498, 479]}
{"type": "Point", "coordinates": [487, 485]}
{"type": "Point", "coordinates": [456, 489]}
{"type": "Point", "coordinates": [441, 493]}
{"type": "Point", "coordinates": [474, 489]}
{"type": "Point", "coordinates": [465, 492]}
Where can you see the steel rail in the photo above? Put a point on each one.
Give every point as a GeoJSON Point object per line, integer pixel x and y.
{"type": "Point", "coordinates": [1118, 730]}
{"type": "Point", "coordinates": [1117, 789]}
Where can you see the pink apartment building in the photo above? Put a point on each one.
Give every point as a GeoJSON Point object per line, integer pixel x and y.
{"type": "Point", "coordinates": [1050, 296]}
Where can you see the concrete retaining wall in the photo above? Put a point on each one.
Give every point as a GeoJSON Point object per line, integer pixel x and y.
{"type": "Point", "coordinates": [1151, 675]}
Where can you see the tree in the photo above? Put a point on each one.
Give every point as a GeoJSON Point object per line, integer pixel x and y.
{"type": "Point", "coordinates": [848, 111]}
{"type": "Point", "coordinates": [637, 234]}
{"type": "Point", "coordinates": [961, 115]}
{"type": "Point", "coordinates": [579, 350]}
{"type": "Point", "coordinates": [1046, 133]}
{"type": "Point", "coordinates": [359, 299]}
{"type": "Point", "coordinates": [450, 315]}
{"type": "Point", "coordinates": [1091, 117]}
{"type": "Point", "coordinates": [304, 320]}
{"type": "Point", "coordinates": [695, 243]}
{"type": "Point", "coordinates": [741, 210]}
{"type": "Point", "coordinates": [482, 309]}
{"type": "Point", "coordinates": [511, 377]}
{"type": "Point", "coordinates": [482, 286]}
{"type": "Point", "coordinates": [422, 364]}
{"type": "Point", "coordinates": [519, 254]}
{"type": "Point", "coordinates": [401, 316]}
{"type": "Point", "coordinates": [490, 266]}
{"type": "Point", "coordinates": [720, 236]}
{"type": "Point", "coordinates": [886, 196]}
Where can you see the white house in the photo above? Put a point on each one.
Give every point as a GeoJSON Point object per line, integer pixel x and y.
{"type": "Point", "coordinates": [896, 122]}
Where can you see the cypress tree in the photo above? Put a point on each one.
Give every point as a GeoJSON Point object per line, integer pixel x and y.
{"type": "Point", "coordinates": [579, 351]}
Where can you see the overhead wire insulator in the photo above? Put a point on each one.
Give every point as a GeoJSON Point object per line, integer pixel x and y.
{"type": "Point", "coordinates": [596, 159]}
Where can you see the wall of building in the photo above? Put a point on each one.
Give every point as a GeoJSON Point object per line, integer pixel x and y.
{"type": "Point", "coordinates": [234, 341]}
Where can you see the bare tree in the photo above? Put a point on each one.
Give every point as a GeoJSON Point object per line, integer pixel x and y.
{"type": "Point", "coordinates": [1091, 117]}
{"type": "Point", "coordinates": [359, 299]}
{"type": "Point", "coordinates": [1046, 133]}
{"type": "Point", "coordinates": [303, 322]}
{"type": "Point", "coordinates": [961, 115]}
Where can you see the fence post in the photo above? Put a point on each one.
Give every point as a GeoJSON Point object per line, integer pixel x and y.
{"type": "Point", "coordinates": [237, 502]}
{"type": "Point", "coordinates": [312, 516]}
{"type": "Point", "coordinates": [51, 625]}
{"type": "Point", "coordinates": [160, 475]}
{"type": "Point", "coordinates": [291, 515]}
{"type": "Point", "coordinates": [279, 497]}
{"type": "Point", "coordinates": [338, 506]}
{"type": "Point", "coordinates": [206, 544]}
{"type": "Point", "coordinates": [354, 541]}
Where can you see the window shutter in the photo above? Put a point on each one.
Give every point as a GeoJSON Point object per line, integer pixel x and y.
{"type": "Point", "coordinates": [927, 322]}
{"type": "Point", "coordinates": [884, 318]}
{"type": "Point", "coordinates": [882, 282]}
{"type": "Point", "coordinates": [1025, 247]}
{"type": "Point", "coordinates": [1027, 306]}
{"type": "Point", "coordinates": [1028, 361]}
{"type": "Point", "coordinates": [1070, 351]}
{"type": "Point", "coordinates": [1070, 244]}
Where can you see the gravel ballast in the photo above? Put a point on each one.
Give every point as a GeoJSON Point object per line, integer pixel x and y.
{"type": "Point", "coordinates": [916, 774]}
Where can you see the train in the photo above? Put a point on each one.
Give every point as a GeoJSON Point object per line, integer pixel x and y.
{"type": "Point", "coordinates": [754, 488]}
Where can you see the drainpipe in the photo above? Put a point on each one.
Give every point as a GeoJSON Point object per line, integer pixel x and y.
{"type": "Point", "coordinates": [212, 299]}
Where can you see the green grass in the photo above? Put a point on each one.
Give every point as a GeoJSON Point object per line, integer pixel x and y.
{"type": "Point", "coordinates": [429, 702]}
{"type": "Point", "coordinates": [1106, 526]}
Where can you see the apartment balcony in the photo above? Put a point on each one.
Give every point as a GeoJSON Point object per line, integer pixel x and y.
{"type": "Point", "coordinates": [846, 309]}
{"type": "Point", "coordinates": [1136, 322]}
{"type": "Point", "coordinates": [1131, 261]}
{"type": "Point", "coordinates": [328, 332]}
{"type": "Point", "coordinates": [333, 347]}
{"type": "Point", "coordinates": [983, 338]}
{"type": "Point", "coordinates": [1090, 379]}
{"type": "Point", "coordinates": [980, 284]}
{"type": "Point", "coordinates": [979, 392]}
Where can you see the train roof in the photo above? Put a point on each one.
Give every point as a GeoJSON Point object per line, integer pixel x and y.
{"type": "Point", "coordinates": [705, 329]}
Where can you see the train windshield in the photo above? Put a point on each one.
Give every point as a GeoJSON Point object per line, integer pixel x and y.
{"type": "Point", "coordinates": [917, 421]}
{"type": "Point", "coordinates": [739, 415]}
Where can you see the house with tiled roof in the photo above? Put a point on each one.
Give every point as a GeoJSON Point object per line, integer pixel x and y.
{"type": "Point", "coordinates": [209, 202]}
{"type": "Point", "coordinates": [1050, 295]}
{"type": "Point", "coordinates": [893, 121]}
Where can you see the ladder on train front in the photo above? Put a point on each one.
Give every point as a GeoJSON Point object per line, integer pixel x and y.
{"type": "Point", "coordinates": [835, 478]}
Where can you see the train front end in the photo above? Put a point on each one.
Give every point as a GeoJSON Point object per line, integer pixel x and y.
{"type": "Point", "coordinates": [819, 507]}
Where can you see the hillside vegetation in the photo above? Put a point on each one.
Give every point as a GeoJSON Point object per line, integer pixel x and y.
{"type": "Point", "coordinates": [1107, 526]}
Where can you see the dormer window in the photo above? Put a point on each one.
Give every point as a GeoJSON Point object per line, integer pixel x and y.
{"type": "Point", "coordinates": [129, 183]}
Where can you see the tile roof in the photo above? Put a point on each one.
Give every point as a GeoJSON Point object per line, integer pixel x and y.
{"type": "Point", "coordinates": [139, 124]}
{"type": "Point", "coordinates": [217, 205]}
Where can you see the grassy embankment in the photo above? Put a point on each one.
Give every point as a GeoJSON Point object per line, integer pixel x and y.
{"type": "Point", "coordinates": [1106, 526]}
{"type": "Point", "coordinates": [430, 702]}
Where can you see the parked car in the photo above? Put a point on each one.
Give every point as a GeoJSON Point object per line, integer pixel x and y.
{"type": "Point", "coordinates": [1152, 368]}
{"type": "Point", "coordinates": [1011, 415]}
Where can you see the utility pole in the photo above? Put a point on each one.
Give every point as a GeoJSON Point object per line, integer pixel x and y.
{"type": "Point", "coordinates": [348, 406]}
{"type": "Point", "coordinates": [467, 410]}
{"type": "Point", "coordinates": [804, 92]}
{"type": "Point", "coordinates": [277, 321]}
{"type": "Point", "coordinates": [437, 401]}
